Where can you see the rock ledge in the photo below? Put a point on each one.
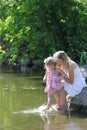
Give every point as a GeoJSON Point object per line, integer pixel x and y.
{"type": "Point", "coordinates": [80, 100]}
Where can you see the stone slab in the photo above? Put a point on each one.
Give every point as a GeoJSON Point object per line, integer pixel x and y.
{"type": "Point", "coordinates": [81, 99]}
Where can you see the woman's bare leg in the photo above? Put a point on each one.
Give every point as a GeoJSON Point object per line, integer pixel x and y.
{"type": "Point", "coordinates": [60, 97]}
{"type": "Point", "coordinates": [63, 99]}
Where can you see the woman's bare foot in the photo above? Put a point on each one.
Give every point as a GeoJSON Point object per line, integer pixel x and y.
{"type": "Point", "coordinates": [58, 107]}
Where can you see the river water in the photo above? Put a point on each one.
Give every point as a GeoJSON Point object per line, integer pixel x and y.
{"type": "Point", "coordinates": [22, 99]}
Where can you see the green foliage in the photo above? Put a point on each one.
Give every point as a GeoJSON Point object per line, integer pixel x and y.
{"type": "Point", "coordinates": [83, 58]}
{"type": "Point", "coordinates": [36, 29]}
{"type": "Point", "coordinates": [2, 53]}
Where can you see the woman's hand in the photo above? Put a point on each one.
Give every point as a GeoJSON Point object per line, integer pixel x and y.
{"type": "Point", "coordinates": [60, 71]}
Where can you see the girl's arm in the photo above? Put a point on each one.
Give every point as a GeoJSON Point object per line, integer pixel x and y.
{"type": "Point", "coordinates": [49, 79]}
{"type": "Point", "coordinates": [44, 78]}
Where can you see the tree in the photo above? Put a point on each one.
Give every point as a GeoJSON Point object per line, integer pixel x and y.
{"type": "Point", "coordinates": [36, 29]}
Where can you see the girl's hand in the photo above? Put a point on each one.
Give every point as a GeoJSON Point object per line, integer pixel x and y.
{"type": "Point", "coordinates": [44, 80]}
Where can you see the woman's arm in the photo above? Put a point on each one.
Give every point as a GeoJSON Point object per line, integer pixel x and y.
{"type": "Point", "coordinates": [69, 79]}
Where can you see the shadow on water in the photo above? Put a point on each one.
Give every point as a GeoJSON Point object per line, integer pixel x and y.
{"type": "Point", "coordinates": [22, 100]}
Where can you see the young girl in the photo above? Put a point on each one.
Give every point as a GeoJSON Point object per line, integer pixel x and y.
{"type": "Point", "coordinates": [54, 83]}
{"type": "Point", "coordinates": [74, 81]}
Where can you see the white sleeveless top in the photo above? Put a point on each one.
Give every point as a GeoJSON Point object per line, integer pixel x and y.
{"type": "Point", "coordinates": [78, 84]}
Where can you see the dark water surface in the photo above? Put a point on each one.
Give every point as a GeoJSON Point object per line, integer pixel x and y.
{"type": "Point", "coordinates": [22, 99]}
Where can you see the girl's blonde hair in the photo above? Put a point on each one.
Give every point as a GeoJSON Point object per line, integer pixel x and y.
{"type": "Point", "coordinates": [63, 56]}
{"type": "Point", "coordinates": [49, 61]}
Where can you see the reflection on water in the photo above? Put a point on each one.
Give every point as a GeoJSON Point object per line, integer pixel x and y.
{"type": "Point", "coordinates": [72, 126]}
{"type": "Point", "coordinates": [22, 100]}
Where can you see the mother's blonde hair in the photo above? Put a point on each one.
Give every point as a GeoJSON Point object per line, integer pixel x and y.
{"type": "Point", "coordinates": [63, 56]}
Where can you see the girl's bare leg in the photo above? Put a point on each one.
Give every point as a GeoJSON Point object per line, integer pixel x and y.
{"type": "Point", "coordinates": [50, 96]}
{"type": "Point", "coordinates": [57, 97]}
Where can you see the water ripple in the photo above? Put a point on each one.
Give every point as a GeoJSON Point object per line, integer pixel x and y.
{"type": "Point", "coordinates": [39, 110]}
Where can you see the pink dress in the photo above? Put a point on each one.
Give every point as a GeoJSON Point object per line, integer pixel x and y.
{"type": "Point", "coordinates": [53, 81]}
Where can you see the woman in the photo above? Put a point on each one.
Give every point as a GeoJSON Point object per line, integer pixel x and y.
{"type": "Point", "coordinates": [74, 81]}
